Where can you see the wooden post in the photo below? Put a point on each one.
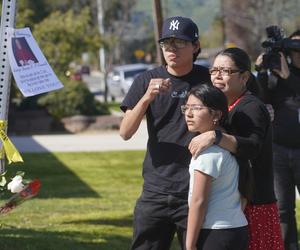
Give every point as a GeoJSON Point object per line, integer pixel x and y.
{"type": "Point", "coordinates": [223, 22]}
{"type": "Point", "coordinates": [158, 20]}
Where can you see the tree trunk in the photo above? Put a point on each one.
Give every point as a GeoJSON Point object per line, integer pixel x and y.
{"type": "Point", "coordinates": [245, 21]}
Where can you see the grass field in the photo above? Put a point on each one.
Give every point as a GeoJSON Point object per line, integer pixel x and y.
{"type": "Point", "coordinates": [86, 202]}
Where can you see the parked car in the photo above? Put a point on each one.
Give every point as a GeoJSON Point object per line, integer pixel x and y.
{"type": "Point", "coordinates": [121, 78]}
{"type": "Point", "coordinates": [204, 62]}
{"type": "Point", "coordinates": [78, 72]}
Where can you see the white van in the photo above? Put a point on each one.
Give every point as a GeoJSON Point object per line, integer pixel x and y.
{"type": "Point", "coordinates": [121, 78]}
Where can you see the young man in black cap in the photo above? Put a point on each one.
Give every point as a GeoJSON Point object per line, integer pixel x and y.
{"type": "Point", "coordinates": [162, 208]}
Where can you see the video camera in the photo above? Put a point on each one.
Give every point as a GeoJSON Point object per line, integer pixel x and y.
{"type": "Point", "coordinates": [275, 43]}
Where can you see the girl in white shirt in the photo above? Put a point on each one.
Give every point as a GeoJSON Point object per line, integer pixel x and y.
{"type": "Point", "coordinates": [216, 220]}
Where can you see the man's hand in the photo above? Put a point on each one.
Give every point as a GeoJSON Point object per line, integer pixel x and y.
{"type": "Point", "coordinates": [156, 86]}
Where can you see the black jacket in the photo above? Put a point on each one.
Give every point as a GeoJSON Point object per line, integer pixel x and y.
{"type": "Point", "coordinates": [284, 95]}
{"type": "Point", "coordinates": [249, 122]}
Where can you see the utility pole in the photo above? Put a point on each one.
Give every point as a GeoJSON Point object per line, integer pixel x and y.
{"type": "Point", "coordinates": [223, 22]}
{"type": "Point", "coordinates": [100, 16]}
{"type": "Point", "coordinates": [8, 17]}
{"type": "Point", "coordinates": [157, 16]}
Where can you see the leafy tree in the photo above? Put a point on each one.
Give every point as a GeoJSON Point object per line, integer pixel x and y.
{"type": "Point", "coordinates": [65, 5]}
{"type": "Point", "coordinates": [118, 28]}
{"type": "Point", "coordinates": [63, 37]}
{"type": "Point", "coordinates": [73, 99]}
{"type": "Point", "coordinates": [63, 30]}
{"type": "Point", "coordinates": [213, 38]}
{"type": "Point", "coordinates": [30, 12]}
{"type": "Point", "coordinates": [245, 21]}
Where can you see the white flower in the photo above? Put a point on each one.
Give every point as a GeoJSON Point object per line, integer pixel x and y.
{"type": "Point", "coordinates": [16, 185]}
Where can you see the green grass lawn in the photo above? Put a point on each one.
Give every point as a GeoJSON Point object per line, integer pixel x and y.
{"type": "Point", "coordinates": [114, 106]}
{"type": "Point", "coordinates": [85, 202]}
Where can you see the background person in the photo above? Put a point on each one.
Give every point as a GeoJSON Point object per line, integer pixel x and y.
{"type": "Point", "coordinates": [284, 95]}
{"type": "Point", "coordinates": [213, 180]}
{"type": "Point", "coordinates": [162, 207]}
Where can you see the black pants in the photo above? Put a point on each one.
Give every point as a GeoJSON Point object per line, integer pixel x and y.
{"type": "Point", "coordinates": [223, 239]}
{"type": "Point", "coordinates": [156, 219]}
{"type": "Point", "coordinates": [286, 177]}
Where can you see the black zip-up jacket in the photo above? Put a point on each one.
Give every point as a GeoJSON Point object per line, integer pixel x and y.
{"type": "Point", "coordinates": [285, 99]}
{"type": "Point", "coordinates": [249, 122]}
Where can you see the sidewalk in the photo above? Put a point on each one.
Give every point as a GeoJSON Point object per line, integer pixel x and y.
{"type": "Point", "coordinates": [101, 141]}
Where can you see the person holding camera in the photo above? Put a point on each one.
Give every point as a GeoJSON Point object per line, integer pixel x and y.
{"type": "Point", "coordinates": [281, 88]}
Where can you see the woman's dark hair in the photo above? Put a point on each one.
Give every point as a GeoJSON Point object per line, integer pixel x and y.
{"type": "Point", "coordinates": [212, 98]}
{"type": "Point", "coordinates": [243, 63]}
{"type": "Point", "coordinates": [239, 57]}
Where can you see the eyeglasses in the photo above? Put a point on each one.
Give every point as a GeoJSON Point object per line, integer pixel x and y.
{"type": "Point", "coordinates": [173, 43]}
{"type": "Point", "coordinates": [223, 71]}
{"type": "Point", "coordinates": [194, 108]}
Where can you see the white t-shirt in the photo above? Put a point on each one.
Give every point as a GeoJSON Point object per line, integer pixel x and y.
{"type": "Point", "coordinates": [224, 203]}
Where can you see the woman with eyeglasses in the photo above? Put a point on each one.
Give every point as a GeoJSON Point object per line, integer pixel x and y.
{"type": "Point", "coordinates": [216, 220]}
{"type": "Point", "coordinates": [249, 138]}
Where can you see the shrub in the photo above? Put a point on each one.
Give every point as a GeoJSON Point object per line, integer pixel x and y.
{"type": "Point", "coordinates": [74, 99]}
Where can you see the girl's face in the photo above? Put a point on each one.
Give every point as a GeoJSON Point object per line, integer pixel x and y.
{"type": "Point", "coordinates": [198, 117]}
{"type": "Point", "coordinates": [227, 77]}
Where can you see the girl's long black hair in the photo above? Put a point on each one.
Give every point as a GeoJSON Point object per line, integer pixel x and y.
{"type": "Point", "coordinates": [212, 98]}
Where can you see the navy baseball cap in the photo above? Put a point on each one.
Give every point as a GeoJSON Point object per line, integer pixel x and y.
{"type": "Point", "coordinates": [179, 27]}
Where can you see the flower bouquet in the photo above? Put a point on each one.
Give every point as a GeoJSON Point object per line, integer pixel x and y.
{"type": "Point", "coordinates": [23, 190]}
{"type": "Point", "coordinates": [22, 193]}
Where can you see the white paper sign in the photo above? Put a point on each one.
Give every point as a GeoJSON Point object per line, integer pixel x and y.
{"type": "Point", "coordinates": [30, 68]}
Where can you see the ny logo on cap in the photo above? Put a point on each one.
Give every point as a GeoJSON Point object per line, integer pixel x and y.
{"type": "Point", "coordinates": [174, 25]}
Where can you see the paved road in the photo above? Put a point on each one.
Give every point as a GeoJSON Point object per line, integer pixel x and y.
{"type": "Point", "coordinates": [100, 141]}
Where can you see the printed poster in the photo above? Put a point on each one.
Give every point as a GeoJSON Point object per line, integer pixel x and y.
{"type": "Point", "coordinates": [30, 68]}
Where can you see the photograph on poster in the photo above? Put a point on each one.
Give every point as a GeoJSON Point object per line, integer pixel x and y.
{"type": "Point", "coordinates": [22, 52]}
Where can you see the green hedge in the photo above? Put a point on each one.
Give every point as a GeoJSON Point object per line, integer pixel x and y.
{"type": "Point", "coordinates": [74, 99]}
